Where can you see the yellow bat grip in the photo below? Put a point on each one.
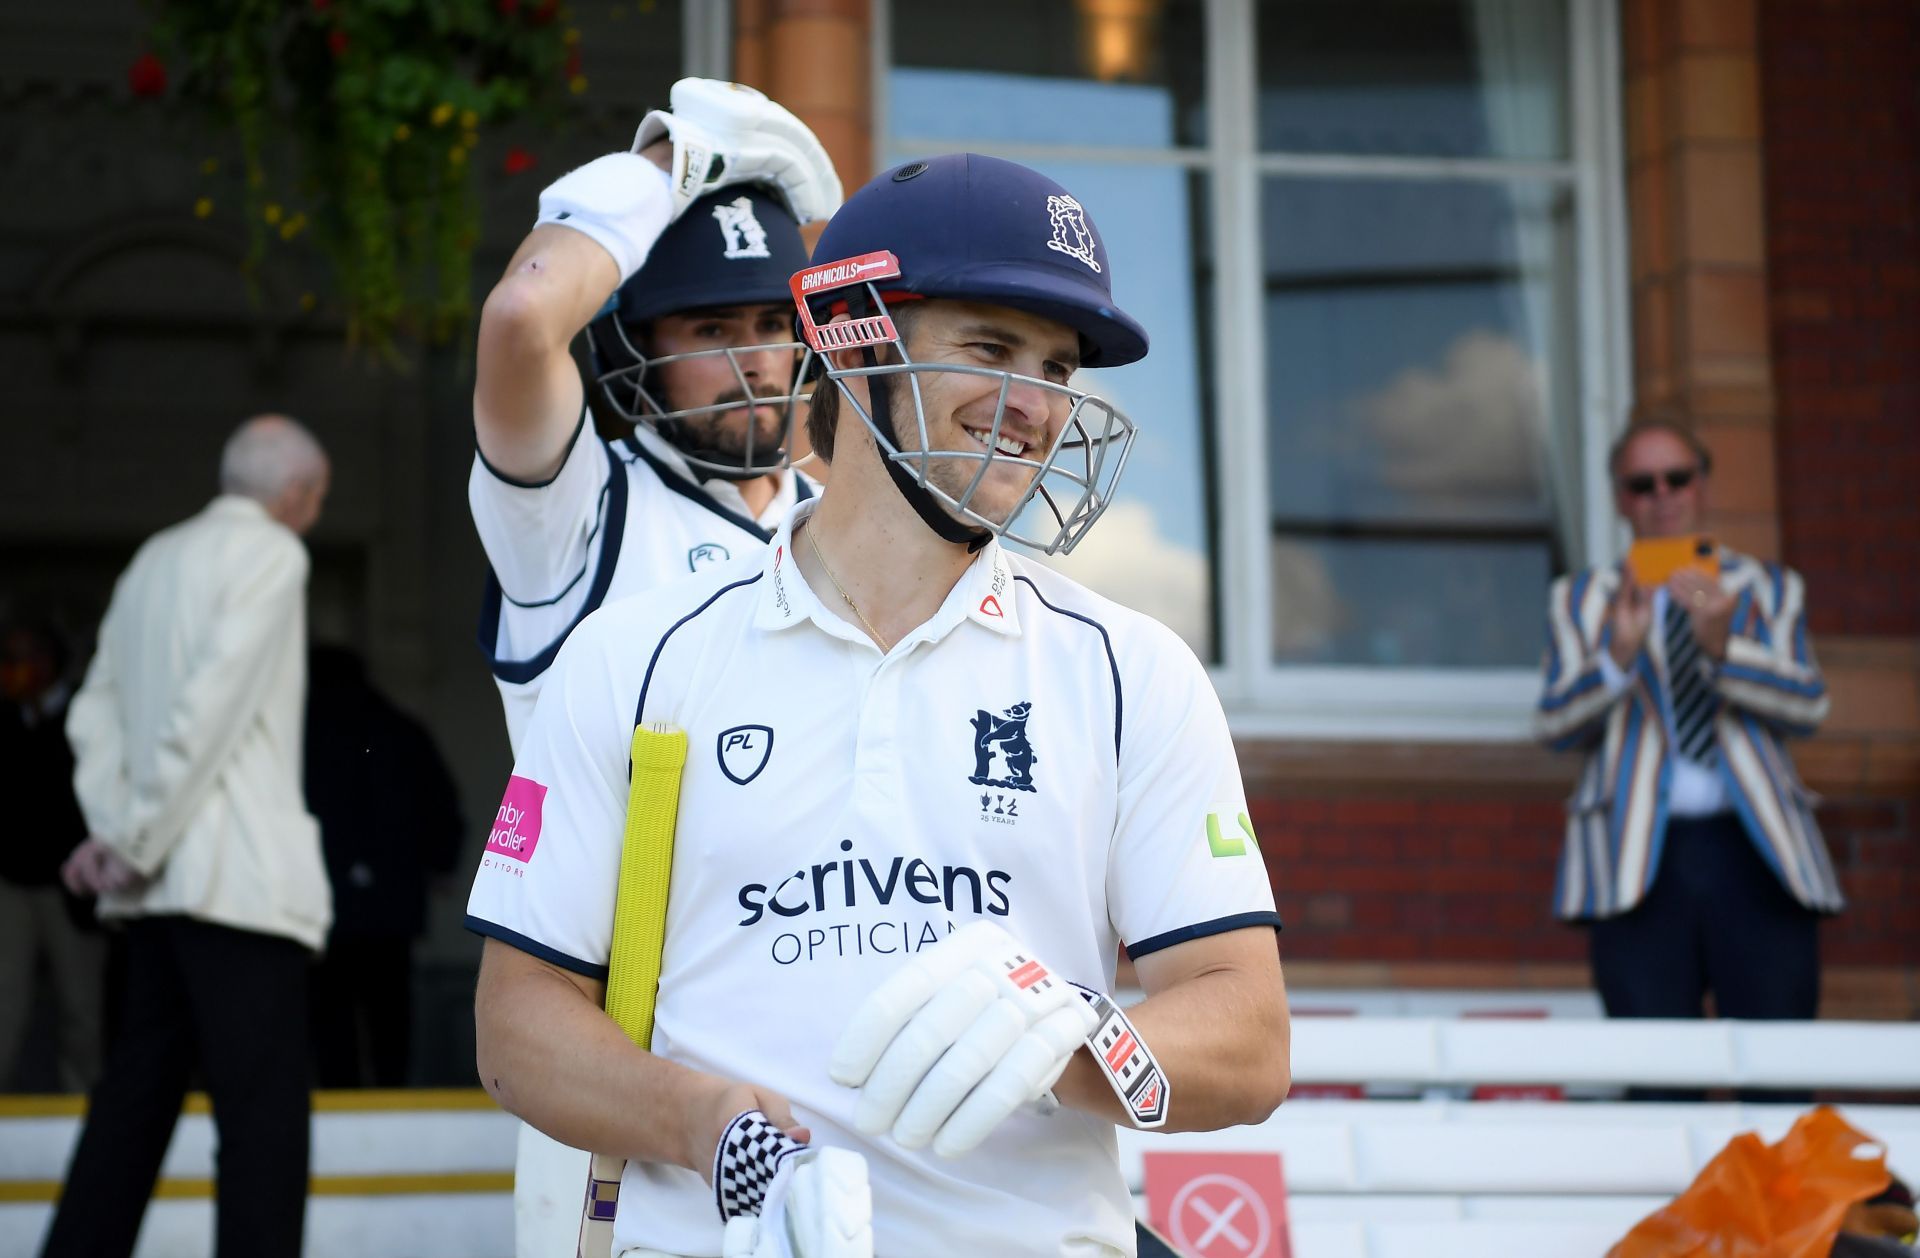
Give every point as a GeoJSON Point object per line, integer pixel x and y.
{"type": "Point", "coordinates": [646, 868]}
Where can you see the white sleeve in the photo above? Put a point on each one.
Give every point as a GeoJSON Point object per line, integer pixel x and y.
{"type": "Point", "coordinates": [541, 539]}
{"type": "Point", "coordinates": [1184, 863]}
{"type": "Point", "coordinates": [547, 879]}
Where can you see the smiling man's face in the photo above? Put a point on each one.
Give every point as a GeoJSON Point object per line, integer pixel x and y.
{"type": "Point", "coordinates": [960, 407]}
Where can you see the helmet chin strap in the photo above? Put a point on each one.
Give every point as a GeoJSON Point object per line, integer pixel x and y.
{"type": "Point", "coordinates": [925, 505]}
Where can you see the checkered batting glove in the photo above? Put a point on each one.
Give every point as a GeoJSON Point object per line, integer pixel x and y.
{"type": "Point", "coordinates": [783, 1199]}
{"type": "Point", "coordinates": [749, 1157]}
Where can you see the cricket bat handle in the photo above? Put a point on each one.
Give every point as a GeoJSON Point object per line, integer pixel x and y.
{"type": "Point", "coordinates": [596, 1212]}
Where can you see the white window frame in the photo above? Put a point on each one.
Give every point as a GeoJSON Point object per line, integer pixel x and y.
{"type": "Point", "coordinates": [706, 39]}
{"type": "Point", "coordinates": [1372, 703]}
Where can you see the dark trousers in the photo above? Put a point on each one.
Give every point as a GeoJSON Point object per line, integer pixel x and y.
{"type": "Point", "coordinates": [1716, 919]}
{"type": "Point", "coordinates": [363, 1012]}
{"type": "Point", "coordinates": [232, 1004]}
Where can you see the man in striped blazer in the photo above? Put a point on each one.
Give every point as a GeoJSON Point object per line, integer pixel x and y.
{"type": "Point", "coordinates": [1691, 845]}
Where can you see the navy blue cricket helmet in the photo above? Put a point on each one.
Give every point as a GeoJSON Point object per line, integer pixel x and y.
{"type": "Point", "coordinates": [983, 229]}
{"type": "Point", "coordinates": [972, 228]}
{"type": "Point", "coordinates": [733, 247]}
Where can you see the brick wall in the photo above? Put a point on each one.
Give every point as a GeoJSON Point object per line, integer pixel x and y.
{"type": "Point", "coordinates": [1841, 141]}
{"type": "Point", "coordinates": [1410, 879]}
{"type": "Point", "coordinates": [1842, 180]}
{"type": "Point", "coordinates": [1468, 884]}
{"type": "Point", "coordinates": [1876, 846]}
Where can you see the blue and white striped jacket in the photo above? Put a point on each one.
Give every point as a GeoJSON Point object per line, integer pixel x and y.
{"type": "Point", "coordinates": [1617, 816]}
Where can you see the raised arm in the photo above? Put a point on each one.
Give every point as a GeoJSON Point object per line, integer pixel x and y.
{"type": "Point", "coordinates": [595, 228]}
{"type": "Point", "coordinates": [527, 393]}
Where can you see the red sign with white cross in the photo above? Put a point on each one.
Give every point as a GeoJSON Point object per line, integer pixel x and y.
{"type": "Point", "coordinates": [1220, 1205]}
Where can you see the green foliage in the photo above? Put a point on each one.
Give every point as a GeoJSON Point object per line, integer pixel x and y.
{"type": "Point", "coordinates": [369, 111]}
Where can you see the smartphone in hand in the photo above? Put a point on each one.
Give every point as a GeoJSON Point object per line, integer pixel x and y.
{"type": "Point", "coordinates": [1654, 559]}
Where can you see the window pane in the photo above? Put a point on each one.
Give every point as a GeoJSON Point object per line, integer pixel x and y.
{"type": "Point", "coordinates": [1421, 410]}
{"type": "Point", "coordinates": [1153, 550]}
{"type": "Point", "coordinates": [1409, 602]}
{"type": "Point", "coordinates": [1117, 72]}
{"type": "Point", "coordinates": [1430, 78]}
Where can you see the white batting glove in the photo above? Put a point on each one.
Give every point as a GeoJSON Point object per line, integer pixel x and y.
{"type": "Point", "coordinates": [726, 133]}
{"type": "Point", "coordinates": [964, 1034]}
{"type": "Point", "coordinates": [783, 1199]}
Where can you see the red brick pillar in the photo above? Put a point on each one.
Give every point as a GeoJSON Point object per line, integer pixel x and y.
{"type": "Point", "coordinates": [1699, 266]}
{"type": "Point", "coordinates": [811, 56]}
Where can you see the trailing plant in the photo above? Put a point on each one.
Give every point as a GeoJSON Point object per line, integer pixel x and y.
{"type": "Point", "coordinates": [368, 113]}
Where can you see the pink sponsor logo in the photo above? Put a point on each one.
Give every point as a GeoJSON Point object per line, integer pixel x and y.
{"type": "Point", "coordinates": [516, 827]}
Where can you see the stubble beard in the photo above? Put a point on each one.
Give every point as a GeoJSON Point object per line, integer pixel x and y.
{"type": "Point", "coordinates": [952, 473]}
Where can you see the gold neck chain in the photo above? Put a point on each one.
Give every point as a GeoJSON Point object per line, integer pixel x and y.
{"type": "Point", "coordinates": [813, 539]}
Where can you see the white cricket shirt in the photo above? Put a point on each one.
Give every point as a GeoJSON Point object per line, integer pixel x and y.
{"type": "Point", "coordinates": [1033, 753]}
{"type": "Point", "coordinates": [618, 518]}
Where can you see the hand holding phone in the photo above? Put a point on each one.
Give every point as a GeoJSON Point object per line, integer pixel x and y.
{"type": "Point", "coordinates": [1629, 619]}
{"type": "Point", "coordinates": [1654, 560]}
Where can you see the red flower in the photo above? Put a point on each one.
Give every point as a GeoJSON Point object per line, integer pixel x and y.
{"type": "Point", "coordinates": [545, 12]}
{"type": "Point", "coordinates": [337, 42]}
{"type": "Point", "coordinates": [518, 161]}
{"type": "Point", "coordinates": [573, 61]}
{"type": "Point", "coordinates": [507, 8]}
{"type": "Point", "coordinates": [147, 76]}
{"type": "Point", "coordinates": [321, 6]}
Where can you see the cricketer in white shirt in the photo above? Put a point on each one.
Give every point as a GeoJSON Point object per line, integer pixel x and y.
{"type": "Point", "coordinates": [618, 518]}
{"type": "Point", "coordinates": [1033, 755]}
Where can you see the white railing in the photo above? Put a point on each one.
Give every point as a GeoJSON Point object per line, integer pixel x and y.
{"type": "Point", "coordinates": [1434, 1051]}
{"type": "Point", "coordinates": [428, 1175]}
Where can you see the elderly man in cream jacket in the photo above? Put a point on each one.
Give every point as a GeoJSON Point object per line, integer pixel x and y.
{"type": "Point", "coordinates": [186, 739]}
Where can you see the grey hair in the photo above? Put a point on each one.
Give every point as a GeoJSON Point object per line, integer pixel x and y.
{"type": "Point", "coordinates": [267, 455]}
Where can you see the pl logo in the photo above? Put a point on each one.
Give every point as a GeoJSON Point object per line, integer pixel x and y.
{"type": "Point", "coordinates": [743, 752]}
{"type": "Point", "coordinates": [1001, 741]}
{"type": "Point", "coordinates": [706, 553]}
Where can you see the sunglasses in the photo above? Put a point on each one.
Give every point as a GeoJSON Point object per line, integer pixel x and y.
{"type": "Point", "coordinates": [1641, 484]}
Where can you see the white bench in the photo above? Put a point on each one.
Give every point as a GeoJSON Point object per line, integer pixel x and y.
{"type": "Point", "coordinates": [1368, 1179]}
{"type": "Point", "coordinates": [1447, 1178]}
{"type": "Point", "coordinates": [1379, 1179]}
{"type": "Point", "coordinates": [1434, 1051]}
{"type": "Point", "coordinates": [428, 1175]}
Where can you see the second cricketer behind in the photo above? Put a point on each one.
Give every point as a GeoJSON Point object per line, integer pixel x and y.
{"type": "Point", "coordinates": [681, 287]}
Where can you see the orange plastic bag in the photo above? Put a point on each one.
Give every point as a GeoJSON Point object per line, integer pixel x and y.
{"type": "Point", "coordinates": [1756, 1201]}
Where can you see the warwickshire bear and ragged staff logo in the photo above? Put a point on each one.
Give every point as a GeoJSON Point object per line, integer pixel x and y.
{"type": "Point", "coordinates": [746, 238]}
{"type": "Point", "coordinates": [1002, 741]}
